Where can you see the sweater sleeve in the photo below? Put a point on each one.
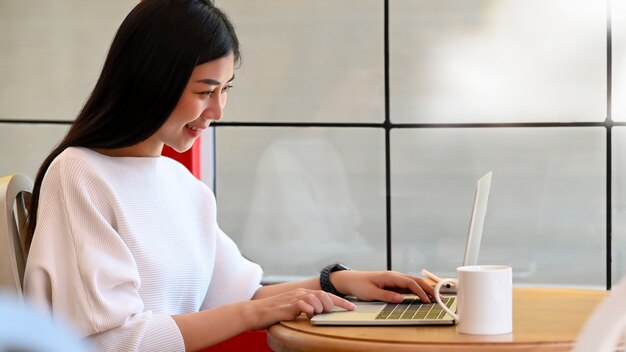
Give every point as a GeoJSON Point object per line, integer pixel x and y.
{"type": "Point", "coordinates": [82, 271]}
{"type": "Point", "coordinates": [235, 278]}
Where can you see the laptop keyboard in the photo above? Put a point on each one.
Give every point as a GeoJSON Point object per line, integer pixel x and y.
{"type": "Point", "coordinates": [414, 309]}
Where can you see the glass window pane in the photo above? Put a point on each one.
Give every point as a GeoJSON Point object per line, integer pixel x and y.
{"type": "Point", "coordinates": [52, 52]}
{"type": "Point", "coordinates": [547, 207]}
{"type": "Point", "coordinates": [308, 61]}
{"type": "Point", "coordinates": [33, 141]}
{"type": "Point", "coordinates": [296, 200]}
{"type": "Point", "coordinates": [619, 203]}
{"type": "Point", "coordinates": [498, 61]}
{"type": "Point", "coordinates": [618, 33]}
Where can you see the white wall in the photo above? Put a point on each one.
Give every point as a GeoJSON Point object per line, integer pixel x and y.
{"type": "Point", "coordinates": [51, 56]}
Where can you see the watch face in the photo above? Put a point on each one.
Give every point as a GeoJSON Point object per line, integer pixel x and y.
{"type": "Point", "coordinates": [339, 267]}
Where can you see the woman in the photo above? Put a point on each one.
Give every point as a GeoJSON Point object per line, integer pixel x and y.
{"type": "Point", "coordinates": [126, 246]}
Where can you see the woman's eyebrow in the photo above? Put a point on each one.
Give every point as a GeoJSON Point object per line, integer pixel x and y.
{"type": "Point", "coordinates": [213, 82]}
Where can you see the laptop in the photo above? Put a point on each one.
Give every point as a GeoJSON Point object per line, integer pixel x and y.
{"type": "Point", "coordinates": [411, 311]}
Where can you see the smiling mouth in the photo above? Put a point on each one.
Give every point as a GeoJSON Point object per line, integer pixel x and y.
{"type": "Point", "coordinates": [194, 128]}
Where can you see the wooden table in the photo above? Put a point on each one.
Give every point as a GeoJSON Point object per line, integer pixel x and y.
{"type": "Point", "coordinates": [544, 319]}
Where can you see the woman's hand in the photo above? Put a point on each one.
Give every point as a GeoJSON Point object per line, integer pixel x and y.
{"type": "Point", "coordinates": [289, 305]}
{"type": "Point", "coordinates": [380, 285]}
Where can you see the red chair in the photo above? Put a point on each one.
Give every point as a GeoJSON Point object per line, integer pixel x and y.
{"type": "Point", "coordinates": [190, 158]}
{"type": "Point", "coordinates": [248, 341]}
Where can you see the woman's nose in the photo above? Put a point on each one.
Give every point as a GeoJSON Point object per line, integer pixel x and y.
{"type": "Point", "coordinates": [215, 110]}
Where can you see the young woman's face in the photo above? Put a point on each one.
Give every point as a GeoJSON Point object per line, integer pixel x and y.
{"type": "Point", "coordinates": [201, 102]}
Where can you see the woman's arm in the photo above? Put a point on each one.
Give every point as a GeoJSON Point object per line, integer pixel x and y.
{"type": "Point", "coordinates": [272, 290]}
{"type": "Point", "coordinates": [212, 326]}
{"type": "Point", "coordinates": [286, 301]}
{"type": "Point", "coordinates": [209, 327]}
{"type": "Point", "coordinates": [365, 285]}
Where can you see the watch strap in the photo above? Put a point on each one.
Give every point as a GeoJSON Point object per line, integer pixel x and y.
{"type": "Point", "coordinates": [325, 283]}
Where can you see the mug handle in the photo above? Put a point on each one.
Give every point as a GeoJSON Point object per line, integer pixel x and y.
{"type": "Point", "coordinates": [438, 296]}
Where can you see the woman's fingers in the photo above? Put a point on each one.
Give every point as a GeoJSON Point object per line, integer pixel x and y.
{"type": "Point", "coordinates": [340, 302]}
{"type": "Point", "coordinates": [425, 286]}
{"type": "Point", "coordinates": [324, 302]}
{"type": "Point", "coordinates": [306, 308]}
{"type": "Point", "coordinates": [412, 284]}
{"type": "Point", "coordinates": [313, 302]}
{"type": "Point", "coordinates": [289, 305]}
{"type": "Point", "coordinates": [419, 291]}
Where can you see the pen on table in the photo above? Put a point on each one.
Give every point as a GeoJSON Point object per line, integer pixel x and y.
{"type": "Point", "coordinates": [432, 276]}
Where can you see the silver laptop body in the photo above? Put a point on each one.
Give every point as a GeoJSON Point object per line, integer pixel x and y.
{"type": "Point", "coordinates": [411, 311]}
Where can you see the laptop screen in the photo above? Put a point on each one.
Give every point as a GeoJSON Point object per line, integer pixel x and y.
{"type": "Point", "coordinates": [477, 221]}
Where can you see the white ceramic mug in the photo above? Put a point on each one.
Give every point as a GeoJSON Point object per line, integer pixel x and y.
{"type": "Point", "coordinates": [484, 299]}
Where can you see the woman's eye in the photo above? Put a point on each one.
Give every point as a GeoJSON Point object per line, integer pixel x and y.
{"type": "Point", "coordinates": [209, 93]}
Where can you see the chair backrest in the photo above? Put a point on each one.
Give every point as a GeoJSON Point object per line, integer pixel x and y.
{"type": "Point", "coordinates": [606, 325]}
{"type": "Point", "coordinates": [15, 194]}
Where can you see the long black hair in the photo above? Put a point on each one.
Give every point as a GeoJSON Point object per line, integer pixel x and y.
{"type": "Point", "coordinates": [145, 72]}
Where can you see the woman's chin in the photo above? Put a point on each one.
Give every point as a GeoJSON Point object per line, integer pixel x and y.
{"type": "Point", "coordinates": [180, 149]}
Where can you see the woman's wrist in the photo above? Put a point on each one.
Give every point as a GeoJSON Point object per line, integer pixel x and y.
{"type": "Point", "coordinates": [251, 313]}
{"type": "Point", "coordinates": [225, 321]}
{"type": "Point", "coordinates": [326, 275]}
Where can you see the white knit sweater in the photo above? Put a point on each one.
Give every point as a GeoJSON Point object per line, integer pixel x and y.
{"type": "Point", "coordinates": [122, 243]}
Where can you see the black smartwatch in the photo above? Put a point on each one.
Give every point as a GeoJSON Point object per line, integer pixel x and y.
{"type": "Point", "coordinates": [325, 283]}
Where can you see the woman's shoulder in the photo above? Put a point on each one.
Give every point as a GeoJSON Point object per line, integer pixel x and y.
{"type": "Point", "coordinates": [73, 161]}
{"type": "Point", "coordinates": [89, 166]}
{"type": "Point", "coordinates": [85, 159]}
{"type": "Point", "coordinates": [75, 154]}
{"type": "Point", "coordinates": [69, 157]}
{"type": "Point", "coordinates": [73, 165]}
